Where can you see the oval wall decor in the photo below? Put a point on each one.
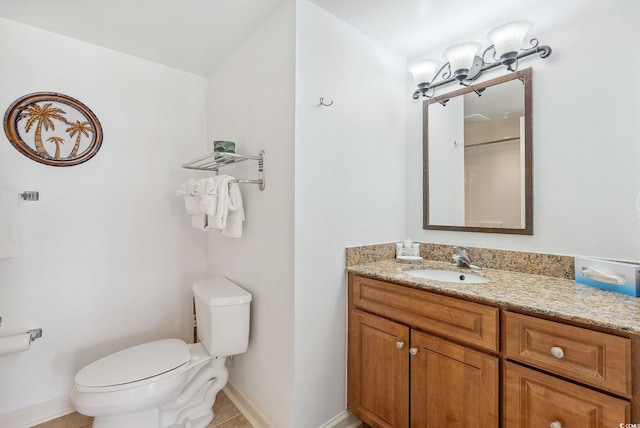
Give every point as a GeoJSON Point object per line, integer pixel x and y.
{"type": "Point", "coordinates": [53, 129]}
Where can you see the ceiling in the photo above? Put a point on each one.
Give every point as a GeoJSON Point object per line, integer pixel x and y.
{"type": "Point", "coordinates": [191, 35]}
{"type": "Point", "coordinates": [412, 27]}
{"type": "Point", "coordinates": [195, 35]}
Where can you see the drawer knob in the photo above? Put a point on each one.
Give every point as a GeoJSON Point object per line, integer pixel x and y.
{"type": "Point", "coordinates": [413, 351]}
{"type": "Point", "coordinates": [557, 352]}
{"type": "Point", "coordinates": [399, 345]}
{"type": "Point", "coordinates": [555, 424]}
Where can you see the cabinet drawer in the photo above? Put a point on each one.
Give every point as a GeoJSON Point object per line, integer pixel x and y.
{"type": "Point", "coordinates": [468, 322]}
{"type": "Point", "coordinates": [533, 399]}
{"type": "Point", "coordinates": [599, 359]}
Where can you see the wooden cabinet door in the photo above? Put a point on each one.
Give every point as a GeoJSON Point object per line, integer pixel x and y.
{"type": "Point", "coordinates": [533, 399]}
{"type": "Point", "coordinates": [378, 371]}
{"type": "Point", "coordinates": [452, 385]}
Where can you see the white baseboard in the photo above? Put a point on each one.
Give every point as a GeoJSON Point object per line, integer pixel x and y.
{"type": "Point", "coordinates": [259, 420]}
{"type": "Point", "coordinates": [343, 420]}
{"type": "Point", "coordinates": [37, 414]}
{"type": "Point", "coordinates": [247, 407]}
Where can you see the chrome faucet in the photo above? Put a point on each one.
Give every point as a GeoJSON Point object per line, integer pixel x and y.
{"type": "Point", "coordinates": [461, 258]}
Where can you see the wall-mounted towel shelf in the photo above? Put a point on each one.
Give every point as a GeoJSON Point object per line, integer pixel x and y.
{"type": "Point", "coordinates": [216, 160]}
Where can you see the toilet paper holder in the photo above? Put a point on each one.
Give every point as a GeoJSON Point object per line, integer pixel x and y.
{"type": "Point", "coordinates": [34, 333]}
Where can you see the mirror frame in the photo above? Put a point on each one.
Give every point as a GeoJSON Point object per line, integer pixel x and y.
{"type": "Point", "coordinates": [525, 75]}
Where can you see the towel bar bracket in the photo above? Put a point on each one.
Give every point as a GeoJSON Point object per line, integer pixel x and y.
{"type": "Point", "coordinates": [261, 184]}
{"type": "Point", "coordinates": [35, 333]}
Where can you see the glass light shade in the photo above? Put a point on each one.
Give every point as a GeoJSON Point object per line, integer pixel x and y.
{"type": "Point", "coordinates": [424, 70]}
{"type": "Point", "coordinates": [461, 56]}
{"type": "Point", "coordinates": [509, 37]}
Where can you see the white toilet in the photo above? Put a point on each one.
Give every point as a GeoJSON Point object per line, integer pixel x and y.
{"type": "Point", "coordinates": [167, 383]}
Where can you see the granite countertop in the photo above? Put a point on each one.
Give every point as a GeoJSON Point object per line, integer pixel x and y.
{"type": "Point", "coordinates": [560, 298]}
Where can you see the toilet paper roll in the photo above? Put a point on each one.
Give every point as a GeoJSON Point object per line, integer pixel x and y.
{"type": "Point", "coordinates": [16, 343]}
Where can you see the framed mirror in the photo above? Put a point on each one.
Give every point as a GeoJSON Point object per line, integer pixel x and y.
{"type": "Point", "coordinates": [477, 158]}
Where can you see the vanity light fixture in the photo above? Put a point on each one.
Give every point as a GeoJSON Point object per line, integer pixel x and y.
{"type": "Point", "coordinates": [461, 59]}
{"type": "Point", "coordinates": [464, 65]}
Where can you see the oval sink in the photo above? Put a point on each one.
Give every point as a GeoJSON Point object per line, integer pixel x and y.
{"type": "Point", "coordinates": [447, 276]}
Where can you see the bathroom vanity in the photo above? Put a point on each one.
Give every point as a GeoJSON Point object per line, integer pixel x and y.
{"type": "Point", "coordinates": [518, 351]}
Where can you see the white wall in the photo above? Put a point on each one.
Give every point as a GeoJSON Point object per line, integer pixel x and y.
{"type": "Point", "coordinates": [349, 189]}
{"type": "Point", "coordinates": [108, 239]}
{"type": "Point", "coordinates": [344, 195]}
{"type": "Point", "coordinates": [585, 134]}
{"type": "Point", "coordinates": [251, 102]}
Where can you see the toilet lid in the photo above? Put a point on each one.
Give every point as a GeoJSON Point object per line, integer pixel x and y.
{"type": "Point", "coordinates": [134, 364]}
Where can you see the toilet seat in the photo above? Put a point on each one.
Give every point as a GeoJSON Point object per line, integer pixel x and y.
{"type": "Point", "coordinates": [138, 365]}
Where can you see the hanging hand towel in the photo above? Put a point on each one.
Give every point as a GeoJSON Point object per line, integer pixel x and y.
{"type": "Point", "coordinates": [191, 192]}
{"type": "Point", "coordinates": [209, 196]}
{"type": "Point", "coordinates": [218, 220]}
{"type": "Point", "coordinates": [191, 198]}
{"type": "Point", "coordinates": [233, 228]}
{"type": "Point", "coordinates": [214, 204]}
{"type": "Point", "coordinates": [8, 223]}
{"type": "Point", "coordinates": [229, 206]}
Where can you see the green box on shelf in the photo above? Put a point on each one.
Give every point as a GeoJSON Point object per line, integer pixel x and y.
{"type": "Point", "coordinates": [224, 146]}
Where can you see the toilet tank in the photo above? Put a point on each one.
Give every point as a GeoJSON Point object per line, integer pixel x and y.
{"type": "Point", "coordinates": [222, 316]}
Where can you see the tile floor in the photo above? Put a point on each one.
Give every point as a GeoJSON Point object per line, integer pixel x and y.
{"type": "Point", "coordinates": [226, 415]}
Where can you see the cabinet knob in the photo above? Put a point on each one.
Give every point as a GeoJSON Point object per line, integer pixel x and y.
{"type": "Point", "coordinates": [557, 352]}
{"type": "Point", "coordinates": [555, 424]}
{"type": "Point", "coordinates": [399, 345]}
{"type": "Point", "coordinates": [413, 351]}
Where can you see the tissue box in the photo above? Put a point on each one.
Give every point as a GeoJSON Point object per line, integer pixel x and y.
{"type": "Point", "coordinates": [608, 275]}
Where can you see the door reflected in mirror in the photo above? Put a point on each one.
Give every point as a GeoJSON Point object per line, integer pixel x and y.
{"type": "Point", "coordinates": [477, 145]}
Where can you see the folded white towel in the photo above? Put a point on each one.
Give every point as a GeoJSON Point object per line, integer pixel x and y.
{"type": "Point", "coordinates": [9, 200]}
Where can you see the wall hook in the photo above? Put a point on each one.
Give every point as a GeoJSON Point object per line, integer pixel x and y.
{"type": "Point", "coordinates": [323, 104]}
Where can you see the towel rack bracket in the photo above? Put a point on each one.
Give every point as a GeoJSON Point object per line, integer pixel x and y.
{"type": "Point", "coordinates": [30, 195]}
{"type": "Point", "coordinates": [261, 170]}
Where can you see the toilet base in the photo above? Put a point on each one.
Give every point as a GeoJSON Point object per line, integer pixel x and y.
{"type": "Point", "coordinates": [150, 419]}
{"type": "Point", "coordinates": [200, 422]}
{"type": "Point", "coordinates": [192, 408]}
{"type": "Point", "coordinates": [200, 395]}
{"type": "Point", "coordinates": [147, 419]}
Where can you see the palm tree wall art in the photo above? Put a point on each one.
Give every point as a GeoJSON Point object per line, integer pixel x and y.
{"type": "Point", "coordinates": [38, 119]}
